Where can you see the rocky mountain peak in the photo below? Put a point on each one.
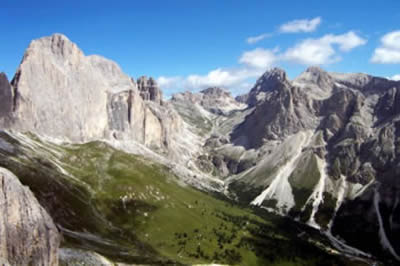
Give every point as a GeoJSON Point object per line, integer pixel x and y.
{"type": "Point", "coordinates": [313, 74]}
{"type": "Point", "coordinates": [149, 89]}
{"type": "Point", "coordinates": [315, 70]}
{"type": "Point", "coordinates": [316, 80]}
{"type": "Point", "coordinates": [274, 74]}
{"type": "Point", "coordinates": [216, 91]}
{"type": "Point", "coordinates": [273, 79]}
{"type": "Point", "coordinates": [56, 44]}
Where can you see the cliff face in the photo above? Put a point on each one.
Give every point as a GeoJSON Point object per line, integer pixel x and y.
{"type": "Point", "coordinates": [5, 95]}
{"type": "Point", "coordinates": [6, 99]}
{"type": "Point", "coordinates": [61, 93]}
{"type": "Point", "coordinates": [149, 90]}
{"type": "Point", "coordinates": [28, 234]}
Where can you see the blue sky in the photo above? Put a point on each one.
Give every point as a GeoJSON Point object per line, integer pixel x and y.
{"type": "Point", "coordinates": [191, 44]}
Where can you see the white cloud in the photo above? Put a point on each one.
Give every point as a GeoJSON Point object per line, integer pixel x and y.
{"type": "Point", "coordinates": [259, 58]}
{"type": "Point", "coordinates": [311, 52]}
{"type": "Point", "coordinates": [346, 42]}
{"type": "Point", "coordinates": [168, 82]}
{"type": "Point", "coordinates": [322, 51]}
{"type": "Point", "coordinates": [221, 78]}
{"type": "Point", "coordinates": [389, 50]}
{"type": "Point", "coordinates": [300, 25]}
{"type": "Point", "coordinates": [254, 63]}
{"type": "Point", "coordinates": [234, 79]}
{"type": "Point", "coordinates": [255, 39]}
{"type": "Point", "coordinates": [396, 77]}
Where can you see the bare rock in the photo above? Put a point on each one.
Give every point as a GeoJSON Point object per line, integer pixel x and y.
{"type": "Point", "coordinates": [216, 100]}
{"type": "Point", "coordinates": [6, 100]}
{"type": "Point", "coordinates": [61, 93]}
{"type": "Point", "coordinates": [28, 234]}
{"type": "Point", "coordinates": [5, 95]}
{"type": "Point", "coordinates": [149, 89]}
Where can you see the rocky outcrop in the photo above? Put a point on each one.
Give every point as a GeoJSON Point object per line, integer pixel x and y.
{"type": "Point", "coordinates": [28, 234]}
{"type": "Point", "coordinates": [6, 99]}
{"type": "Point", "coordinates": [149, 90]}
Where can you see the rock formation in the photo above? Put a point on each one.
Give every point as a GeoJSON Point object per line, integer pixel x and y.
{"type": "Point", "coordinates": [6, 99]}
{"type": "Point", "coordinates": [215, 100]}
{"type": "Point", "coordinates": [61, 93]}
{"type": "Point", "coordinates": [149, 90]}
{"type": "Point", "coordinates": [28, 234]}
{"type": "Point", "coordinates": [328, 152]}
{"type": "Point", "coordinates": [281, 110]}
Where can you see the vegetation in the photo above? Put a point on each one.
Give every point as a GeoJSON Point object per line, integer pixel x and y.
{"type": "Point", "coordinates": [131, 210]}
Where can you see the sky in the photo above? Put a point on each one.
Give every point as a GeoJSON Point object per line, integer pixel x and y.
{"type": "Point", "coordinates": [191, 45]}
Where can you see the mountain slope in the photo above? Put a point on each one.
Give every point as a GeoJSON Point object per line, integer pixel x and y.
{"type": "Point", "coordinates": [346, 168]}
{"type": "Point", "coordinates": [134, 211]}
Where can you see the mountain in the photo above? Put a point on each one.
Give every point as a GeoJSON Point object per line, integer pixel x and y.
{"type": "Point", "coordinates": [270, 177]}
{"type": "Point", "coordinates": [61, 93]}
{"type": "Point", "coordinates": [328, 153]}
{"type": "Point", "coordinates": [322, 149]}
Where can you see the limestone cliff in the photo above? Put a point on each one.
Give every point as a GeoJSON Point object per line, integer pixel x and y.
{"type": "Point", "coordinates": [59, 92]}
{"type": "Point", "coordinates": [149, 90]}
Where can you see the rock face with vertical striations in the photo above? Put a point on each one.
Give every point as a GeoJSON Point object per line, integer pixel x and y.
{"type": "Point", "coordinates": [28, 234]}
{"type": "Point", "coordinates": [149, 90]}
{"type": "Point", "coordinates": [61, 93]}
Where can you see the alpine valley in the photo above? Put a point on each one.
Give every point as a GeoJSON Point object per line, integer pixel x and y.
{"type": "Point", "coordinates": [97, 168]}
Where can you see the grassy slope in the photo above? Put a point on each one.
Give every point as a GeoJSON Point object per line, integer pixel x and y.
{"type": "Point", "coordinates": [159, 222]}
